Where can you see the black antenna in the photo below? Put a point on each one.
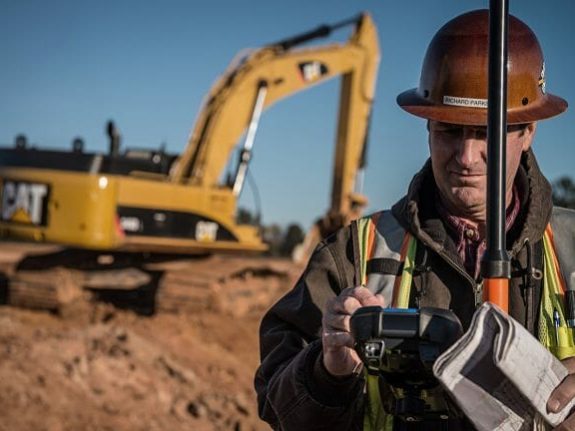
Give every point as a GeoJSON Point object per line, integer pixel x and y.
{"type": "Point", "coordinates": [495, 266]}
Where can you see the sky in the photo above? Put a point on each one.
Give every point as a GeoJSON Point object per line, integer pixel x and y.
{"type": "Point", "coordinates": [68, 66]}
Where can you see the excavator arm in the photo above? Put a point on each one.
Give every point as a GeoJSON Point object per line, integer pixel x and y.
{"type": "Point", "coordinates": [271, 74]}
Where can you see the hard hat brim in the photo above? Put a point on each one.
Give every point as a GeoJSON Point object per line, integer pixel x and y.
{"type": "Point", "coordinates": [547, 106]}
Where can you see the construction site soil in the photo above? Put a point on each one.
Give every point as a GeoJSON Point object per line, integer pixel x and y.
{"type": "Point", "coordinates": [92, 364]}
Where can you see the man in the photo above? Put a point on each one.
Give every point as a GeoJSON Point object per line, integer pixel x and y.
{"type": "Point", "coordinates": [310, 376]}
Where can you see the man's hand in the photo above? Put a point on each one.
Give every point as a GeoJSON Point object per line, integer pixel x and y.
{"type": "Point", "coordinates": [562, 394]}
{"type": "Point", "coordinates": [339, 358]}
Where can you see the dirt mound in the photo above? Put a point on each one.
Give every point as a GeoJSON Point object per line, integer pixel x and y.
{"type": "Point", "coordinates": [102, 368]}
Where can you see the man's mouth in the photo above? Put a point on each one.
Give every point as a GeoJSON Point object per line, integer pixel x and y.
{"type": "Point", "coordinates": [468, 174]}
{"type": "Point", "coordinates": [464, 178]}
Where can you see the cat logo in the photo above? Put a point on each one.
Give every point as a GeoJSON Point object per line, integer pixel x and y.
{"type": "Point", "coordinates": [24, 202]}
{"type": "Point", "coordinates": [206, 231]}
{"type": "Point", "coordinates": [312, 70]}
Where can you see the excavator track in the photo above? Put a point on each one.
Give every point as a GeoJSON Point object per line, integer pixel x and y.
{"type": "Point", "coordinates": [63, 280]}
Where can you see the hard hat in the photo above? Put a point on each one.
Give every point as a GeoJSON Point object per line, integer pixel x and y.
{"type": "Point", "coordinates": [453, 83]}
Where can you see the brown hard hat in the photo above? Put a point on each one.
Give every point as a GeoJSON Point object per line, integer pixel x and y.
{"type": "Point", "coordinates": [453, 83]}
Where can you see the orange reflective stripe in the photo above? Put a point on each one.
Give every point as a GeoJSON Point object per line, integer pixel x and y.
{"type": "Point", "coordinates": [371, 235]}
{"type": "Point", "coordinates": [368, 244]}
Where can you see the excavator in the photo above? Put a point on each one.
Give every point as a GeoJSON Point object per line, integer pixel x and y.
{"type": "Point", "coordinates": [150, 201]}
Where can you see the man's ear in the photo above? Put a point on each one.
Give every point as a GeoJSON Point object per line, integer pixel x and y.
{"type": "Point", "coordinates": [528, 135]}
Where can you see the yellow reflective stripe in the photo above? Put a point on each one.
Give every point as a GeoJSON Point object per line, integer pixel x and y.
{"type": "Point", "coordinates": [363, 238]}
{"type": "Point", "coordinates": [558, 341]}
{"type": "Point", "coordinates": [375, 418]}
{"type": "Point", "coordinates": [407, 273]}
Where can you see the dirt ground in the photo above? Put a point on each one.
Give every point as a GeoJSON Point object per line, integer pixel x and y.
{"type": "Point", "coordinates": [99, 367]}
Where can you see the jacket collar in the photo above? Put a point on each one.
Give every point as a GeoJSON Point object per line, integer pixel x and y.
{"type": "Point", "coordinates": [416, 211]}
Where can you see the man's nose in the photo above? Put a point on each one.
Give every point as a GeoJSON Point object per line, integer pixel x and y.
{"type": "Point", "coordinates": [471, 148]}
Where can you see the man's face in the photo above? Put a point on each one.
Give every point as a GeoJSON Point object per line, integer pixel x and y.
{"type": "Point", "coordinates": [459, 162]}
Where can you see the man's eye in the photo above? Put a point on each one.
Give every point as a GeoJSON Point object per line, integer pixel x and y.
{"type": "Point", "coordinates": [453, 131]}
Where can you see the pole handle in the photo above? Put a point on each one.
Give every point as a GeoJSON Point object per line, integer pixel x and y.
{"type": "Point", "coordinates": [496, 291]}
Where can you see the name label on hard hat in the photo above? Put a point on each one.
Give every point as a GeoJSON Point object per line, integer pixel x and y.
{"type": "Point", "coordinates": [24, 202]}
{"type": "Point", "coordinates": [465, 101]}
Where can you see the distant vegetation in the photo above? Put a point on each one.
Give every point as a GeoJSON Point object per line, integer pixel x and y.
{"type": "Point", "coordinates": [281, 241]}
{"type": "Point", "coordinates": [245, 216]}
{"type": "Point", "coordinates": [564, 192]}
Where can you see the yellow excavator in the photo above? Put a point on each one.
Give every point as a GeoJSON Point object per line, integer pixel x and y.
{"type": "Point", "coordinates": [144, 200]}
{"type": "Point", "coordinates": [106, 212]}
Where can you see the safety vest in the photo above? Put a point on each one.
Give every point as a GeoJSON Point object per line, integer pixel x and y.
{"type": "Point", "coordinates": [381, 242]}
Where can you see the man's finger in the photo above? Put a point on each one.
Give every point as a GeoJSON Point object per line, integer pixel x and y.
{"type": "Point", "coordinates": [365, 296]}
{"type": "Point", "coordinates": [381, 299]}
{"type": "Point", "coordinates": [350, 291]}
{"type": "Point", "coordinates": [567, 425]}
{"type": "Point", "coordinates": [345, 305]}
{"type": "Point", "coordinates": [336, 340]}
{"type": "Point", "coordinates": [562, 394]}
{"type": "Point", "coordinates": [337, 322]}
{"type": "Point", "coordinates": [569, 363]}
{"type": "Point", "coordinates": [352, 298]}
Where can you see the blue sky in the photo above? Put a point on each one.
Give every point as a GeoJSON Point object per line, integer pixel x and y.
{"type": "Point", "coordinates": [69, 66]}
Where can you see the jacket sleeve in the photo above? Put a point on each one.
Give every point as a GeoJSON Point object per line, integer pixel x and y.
{"type": "Point", "coordinates": [295, 392]}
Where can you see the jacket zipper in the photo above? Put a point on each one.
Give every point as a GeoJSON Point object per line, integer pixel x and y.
{"type": "Point", "coordinates": [476, 287]}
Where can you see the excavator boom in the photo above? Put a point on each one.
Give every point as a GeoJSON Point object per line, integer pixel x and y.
{"type": "Point", "coordinates": [283, 71]}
